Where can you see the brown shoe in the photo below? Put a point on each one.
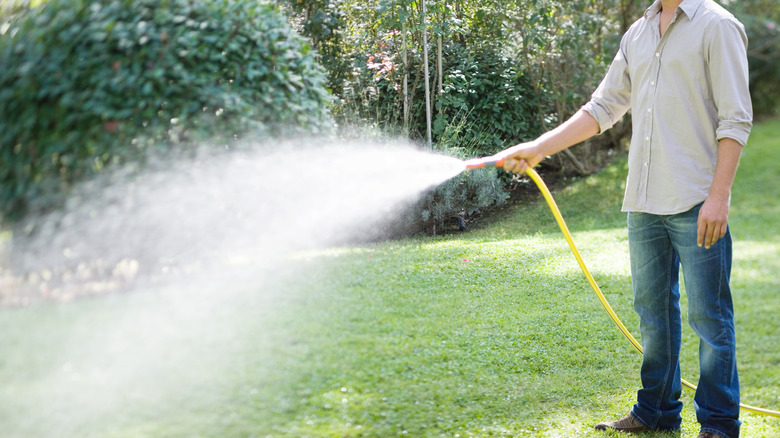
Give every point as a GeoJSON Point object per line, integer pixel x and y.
{"type": "Point", "coordinates": [625, 424]}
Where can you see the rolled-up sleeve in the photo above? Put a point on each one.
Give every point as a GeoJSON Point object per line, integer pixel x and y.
{"type": "Point", "coordinates": [612, 99]}
{"type": "Point", "coordinates": [728, 67]}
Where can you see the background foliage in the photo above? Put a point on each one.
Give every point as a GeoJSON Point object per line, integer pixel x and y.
{"type": "Point", "coordinates": [548, 56]}
{"type": "Point", "coordinates": [763, 58]}
{"type": "Point", "coordinates": [501, 72]}
{"type": "Point", "coordinates": [88, 86]}
{"type": "Point", "coordinates": [88, 83]}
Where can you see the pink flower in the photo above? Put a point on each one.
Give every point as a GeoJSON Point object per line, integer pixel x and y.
{"type": "Point", "coordinates": [382, 66]}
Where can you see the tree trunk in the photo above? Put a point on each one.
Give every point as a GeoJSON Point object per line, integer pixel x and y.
{"type": "Point", "coordinates": [427, 82]}
{"type": "Point", "coordinates": [406, 77]}
{"type": "Point", "coordinates": [439, 65]}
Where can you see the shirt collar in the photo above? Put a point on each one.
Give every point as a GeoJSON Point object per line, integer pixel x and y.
{"type": "Point", "coordinates": [689, 7]}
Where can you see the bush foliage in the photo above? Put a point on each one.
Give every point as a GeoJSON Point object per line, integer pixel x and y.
{"type": "Point", "coordinates": [88, 83]}
{"type": "Point", "coordinates": [763, 55]}
{"type": "Point", "coordinates": [484, 103]}
{"type": "Point", "coordinates": [486, 100]}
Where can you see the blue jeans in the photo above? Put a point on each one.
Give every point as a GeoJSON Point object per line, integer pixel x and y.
{"type": "Point", "coordinates": [658, 246]}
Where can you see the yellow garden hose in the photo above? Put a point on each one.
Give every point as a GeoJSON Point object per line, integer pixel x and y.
{"type": "Point", "coordinates": [562, 224]}
{"type": "Point", "coordinates": [565, 229]}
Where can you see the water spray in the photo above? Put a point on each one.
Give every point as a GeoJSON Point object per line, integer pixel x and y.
{"type": "Point", "coordinates": [493, 161]}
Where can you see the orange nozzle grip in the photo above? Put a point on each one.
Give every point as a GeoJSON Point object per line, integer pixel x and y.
{"type": "Point", "coordinates": [478, 163]}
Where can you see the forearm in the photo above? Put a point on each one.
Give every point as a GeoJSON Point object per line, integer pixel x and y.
{"type": "Point", "coordinates": [580, 127]}
{"type": "Point", "coordinates": [729, 152]}
{"type": "Point", "coordinates": [714, 214]}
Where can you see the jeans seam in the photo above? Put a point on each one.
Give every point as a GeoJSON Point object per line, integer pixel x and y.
{"type": "Point", "coordinates": [719, 301]}
{"type": "Point", "coordinates": [668, 332]}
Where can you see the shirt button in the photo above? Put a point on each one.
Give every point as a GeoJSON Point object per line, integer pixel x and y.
{"type": "Point", "coordinates": [649, 110]}
{"type": "Point", "coordinates": [647, 138]}
{"type": "Point", "coordinates": [657, 55]}
{"type": "Point", "coordinates": [652, 83]}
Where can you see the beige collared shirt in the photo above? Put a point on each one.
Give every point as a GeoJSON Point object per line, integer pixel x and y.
{"type": "Point", "coordinates": [686, 90]}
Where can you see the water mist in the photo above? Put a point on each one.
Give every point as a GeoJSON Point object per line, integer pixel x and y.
{"type": "Point", "coordinates": [171, 255]}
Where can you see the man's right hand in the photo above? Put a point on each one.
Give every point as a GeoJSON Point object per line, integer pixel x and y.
{"type": "Point", "coordinates": [580, 127]}
{"type": "Point", "coordinates": [519, 158]}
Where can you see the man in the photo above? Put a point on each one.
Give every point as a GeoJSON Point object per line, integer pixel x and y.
{"type": "Point", "coordinates": [682, 70]}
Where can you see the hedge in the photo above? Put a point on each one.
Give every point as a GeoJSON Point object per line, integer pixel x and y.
{"type": "Point", "coordinates": [86, 84]}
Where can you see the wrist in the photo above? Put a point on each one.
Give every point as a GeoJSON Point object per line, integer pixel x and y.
{"type": "Point", "coordinates": [719, 195]}
{"type": "Point", "coordinates": [543, 147]}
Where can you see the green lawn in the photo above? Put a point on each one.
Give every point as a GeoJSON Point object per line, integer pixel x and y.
{"type": "Point", "coordinates": [489, 333]}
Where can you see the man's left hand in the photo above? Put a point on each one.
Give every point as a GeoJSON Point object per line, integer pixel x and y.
{"type": "Point", "coordinates": [713, 219]}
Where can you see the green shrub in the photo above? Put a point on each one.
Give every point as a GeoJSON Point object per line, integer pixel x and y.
{"type": "Point", "coordinates": [321, 21]}
{"type": "Point", "coordinates": [484, 95]}
{"type": "Point", "coordinates": [87, 83]}
{"type": "Point", "coordinates": [458, 199]}
{"type": "Point", "coordinates": [483, 107]}
{"type": "Point", "coordinates": [373, 98]}
{"type": "Point", "coordinates": [451, 204]}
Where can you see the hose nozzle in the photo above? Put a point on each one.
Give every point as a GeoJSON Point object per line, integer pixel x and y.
{"type": "Point", "coordinates": [477, 163]}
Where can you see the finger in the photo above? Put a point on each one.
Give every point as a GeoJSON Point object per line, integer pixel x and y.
{"type": "Point", "coordinates": [709, 237]}
{"type": "Point", "coordinates": [718, 231]}
{"type": "Point", "coordinates": [713, 234]}
{"type": "Point", "coordinates": [701, 229]}
{"type": "Point", "coordinates": [509, 164]}
{"type": "Point", "coordinates": [514, 165]}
